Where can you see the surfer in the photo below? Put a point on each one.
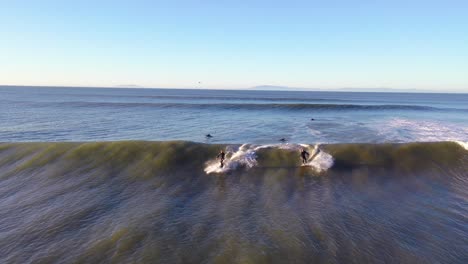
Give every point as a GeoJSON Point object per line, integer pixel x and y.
{"type": "Point", "coordinates": [304, 156]}
{"type": "Point", "coordinates": [221, 156]}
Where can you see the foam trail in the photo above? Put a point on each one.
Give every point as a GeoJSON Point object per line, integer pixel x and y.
{"type": "Point", "coordinates": [321, 161]}
{"type": "Point", "coordinates": [244, 156]}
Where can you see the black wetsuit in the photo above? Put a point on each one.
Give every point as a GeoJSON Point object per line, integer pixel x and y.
{"type": "Point", "coordinates": [304, 155]}
{"type": "Point", "coordinates": [221, 157]}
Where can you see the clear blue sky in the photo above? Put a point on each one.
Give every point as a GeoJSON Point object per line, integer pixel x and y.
{"type": "Point", "coordinates": [236, 44]}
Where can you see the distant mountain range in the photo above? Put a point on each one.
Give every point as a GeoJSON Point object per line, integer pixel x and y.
{"type": "Point", "coordinates": [128, 86]}
{"type": "Point", "coordinates": [381, 90]}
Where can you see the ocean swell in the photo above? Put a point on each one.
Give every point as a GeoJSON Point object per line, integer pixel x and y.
{"type": "Point", "coordinates": [256, 106]}
{"type": "Point", "coordinates": [140, 159]}
{"type": "Point", "coordinates": [137, 201]}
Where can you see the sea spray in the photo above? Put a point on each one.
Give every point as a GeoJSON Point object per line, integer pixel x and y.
{"type": "Point", "coordinates": [463, 144]}
{"type": "Point", "coordinates": [320, 160]}
{"type": "Point", "coordinates": [245, 156]}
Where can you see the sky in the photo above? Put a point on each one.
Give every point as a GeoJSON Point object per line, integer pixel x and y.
{"type": "Point", "coordinates": [408, 44]}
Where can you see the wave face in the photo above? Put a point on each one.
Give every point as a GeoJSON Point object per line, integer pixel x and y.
{"type": "Point", "coordinates": [168, 202]}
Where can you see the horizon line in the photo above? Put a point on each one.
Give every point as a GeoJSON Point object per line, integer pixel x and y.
{"type": "Point", "coordinates": [274, 88]}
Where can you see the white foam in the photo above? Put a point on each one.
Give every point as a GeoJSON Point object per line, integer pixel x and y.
{"type": "Point", "coordinates": [406, 130]}
{"type": "Point", "coordinates": [245, 156]}
{"type": "Point", "coordinates": [321, 161]}
{"type": "Point", "coordinates": [463, 144]}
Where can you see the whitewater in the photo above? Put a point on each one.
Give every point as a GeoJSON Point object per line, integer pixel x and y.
{"type": "Point", "coordinates": [245, 157]}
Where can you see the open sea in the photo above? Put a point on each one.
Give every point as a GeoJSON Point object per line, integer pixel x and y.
{"type": "Point", "coordinates": [91, 175]}
{"type": "Point", "coordinates": [86, 114]}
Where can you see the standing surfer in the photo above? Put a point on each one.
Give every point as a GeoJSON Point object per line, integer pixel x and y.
{"type": "Point", "coordinates": [304, 156]}
{"type": "Point", "coordinates": [221, 156]}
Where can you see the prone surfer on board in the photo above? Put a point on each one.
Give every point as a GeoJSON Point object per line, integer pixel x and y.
{"type": "Point", "coordinates": [221, 156]}
{"type": "Point", "coordinates": [304, 156]}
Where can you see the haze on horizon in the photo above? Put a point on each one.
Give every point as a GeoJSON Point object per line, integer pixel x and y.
{"type": "Point", "coordinates": [418, 45]}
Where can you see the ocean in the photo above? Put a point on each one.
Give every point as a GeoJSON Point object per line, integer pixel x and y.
{"type": "Point", "coordinates": [94, 175]}
{"type": "Point", "coordinates": [73, 114]}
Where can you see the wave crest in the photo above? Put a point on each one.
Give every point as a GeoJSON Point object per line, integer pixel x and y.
{"type": "Point", "coordinates": [139, 159]}
{"type": "Point", "coordinates": [262, 106]}
{"type": "Point", "coordinates": [246, 157]}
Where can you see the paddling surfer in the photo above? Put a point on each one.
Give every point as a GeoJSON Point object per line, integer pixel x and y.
{"type": "Point", "coordinates": [304, 156]}
{"type": "Point", "coordinates": [221, 156]}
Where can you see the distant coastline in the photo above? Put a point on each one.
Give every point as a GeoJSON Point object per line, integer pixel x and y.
{"type": "Point", "coordinates": [363, 90]}
{"type": "Point", "coordinates": [254, 88]}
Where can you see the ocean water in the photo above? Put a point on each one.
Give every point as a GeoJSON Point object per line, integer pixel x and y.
{"type": "Point", "coordinates": [128, 176]}
{"type": "Point", "coordinates": [73, 114]}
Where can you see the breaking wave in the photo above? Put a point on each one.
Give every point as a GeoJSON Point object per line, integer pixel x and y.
{"type": "Point", "coordinates": [138, 201]}
{"type": "Point", "coordinates": [245, 156]}
{"type": "Point", "coordinates": [149, 159]}
{"type": "Point", "coordinates": [463, 144]}
{"type": "Point", "coordinates": [407, 130]}
{"type": "Point", "coordinates": [321, 160]}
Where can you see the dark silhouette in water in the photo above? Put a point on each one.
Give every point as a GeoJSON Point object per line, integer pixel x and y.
{"type": "Point", "coordinates": [208, 136]}
{"type": "Point", "coordinates": [312, 119]}
{"type": "Point", "coordinates": [304, 156]}
{"type": "Point", "coordinates": [283, 140]}
{"type": "Point", "coordinates": [221, 156]}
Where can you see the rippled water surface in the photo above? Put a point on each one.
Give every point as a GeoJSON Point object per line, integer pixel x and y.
{"type": "Point", "coordinates": [386, 182]}
{"type": "Point", "coordinates": [136, 202]}
{"type": "Point", "coordinates": [86, 114]}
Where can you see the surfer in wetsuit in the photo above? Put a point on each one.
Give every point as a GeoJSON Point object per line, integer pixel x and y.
{"type": "Point", "coordinates": [221, 156]}
{"type": "Point", "coordinates": [304, 156]}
